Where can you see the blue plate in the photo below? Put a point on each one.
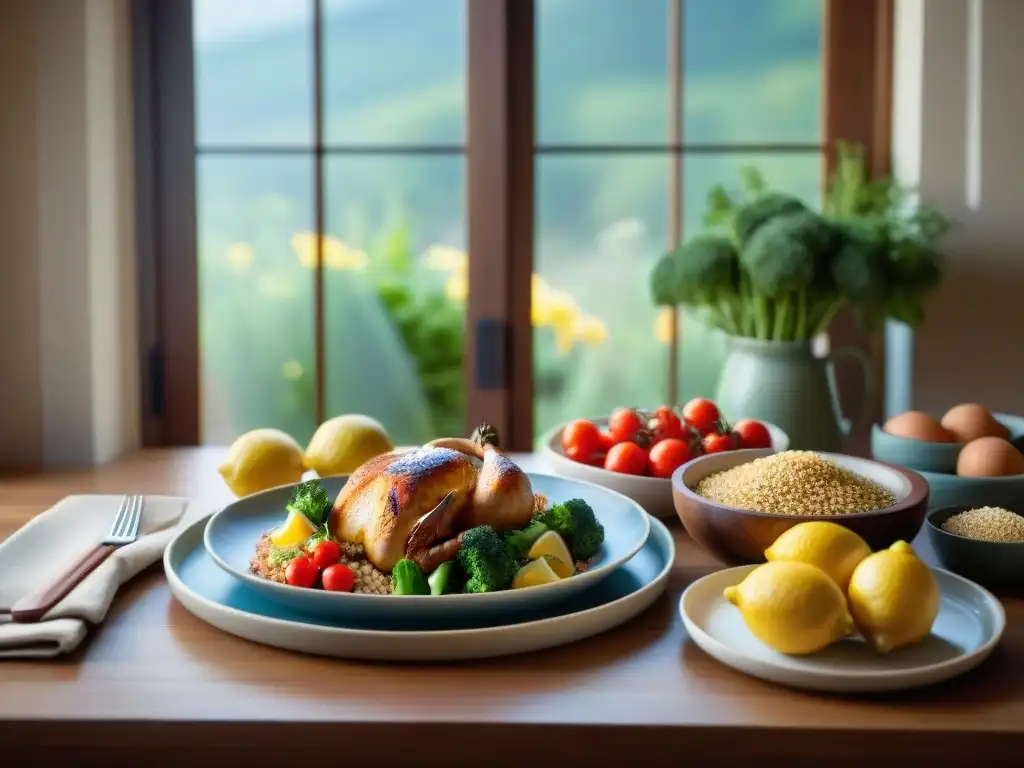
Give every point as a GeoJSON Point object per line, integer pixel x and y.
{"type": "Point", "coordinates": [232, 533]}
{"type": "Point", "coordinates": [226, 602]}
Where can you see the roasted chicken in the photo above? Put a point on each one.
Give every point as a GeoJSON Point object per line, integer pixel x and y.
{"type": "Point", "coordinates": [415, 504]}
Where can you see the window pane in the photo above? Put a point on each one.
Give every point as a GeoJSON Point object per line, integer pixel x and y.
{"type": "Point", "coordinates": [253, 72]}
{"type": "Point", "coordinates": [395, 273]}
{"type": "Point", "coordinates": [255, 296]}
{"type": "Point", "coordinates": [600, 226]}
{"type": "Point", "coordinates": [752, 71]}
{"type": "Point", "coordinates": [701, 351]}
{"type": "Point", "coordinates": [602, 72]}
{"type": "Point", "coordinates": [395, 71]}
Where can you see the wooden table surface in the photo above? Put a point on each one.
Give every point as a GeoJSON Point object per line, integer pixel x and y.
{"type": "Point", "coordinates": [154, 685]}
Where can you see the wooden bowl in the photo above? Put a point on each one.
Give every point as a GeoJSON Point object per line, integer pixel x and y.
{"type": "Point", "coordinates": [654, 494]}
{"type": "Point", "coordinates": [740, 536]}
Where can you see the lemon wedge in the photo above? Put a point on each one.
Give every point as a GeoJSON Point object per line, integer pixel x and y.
{"type": "Point", "coordinates": [293, 531]}
{"type": "Point", "coordinates": [552, 545]}
{"type": "Point", "coordinates": [535, 573]}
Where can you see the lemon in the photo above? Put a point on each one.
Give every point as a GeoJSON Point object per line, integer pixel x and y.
{"type": "Point", "coordinates": [894, 598]}
{"type": "Point", "coordinates": [343, 444]}
{"type": "Point", "coordinates": [792, 607]}
{"type": "Point", "coordinates": [552, 545]}
{"type": "Point", "coordinates": [261, 459]}
{"type": "Point", "coordinates": [829, 546]}
{"type": "Point", "coordinates": [534, 573]}
{"type": "Point", "coordinates": [293, 531]}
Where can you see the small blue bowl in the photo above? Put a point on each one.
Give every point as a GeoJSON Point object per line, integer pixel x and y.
{"type": "Point", "coordinates": [952, 491]}
{"type": "Point", "coordinates": [997, 564]}
{"type": "Point", "coordinates": [926, 456]}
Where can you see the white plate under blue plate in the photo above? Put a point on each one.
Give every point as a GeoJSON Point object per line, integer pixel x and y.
{"type": "Point", "coordinates": [226, 603]}
{"type": "Point", "coordinates": [966, 630]}
{"type": "Point", "coordinates": [232, 533]}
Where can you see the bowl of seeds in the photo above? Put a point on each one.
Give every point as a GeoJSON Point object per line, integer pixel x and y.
{"type": "Point", "coordinates": [984, 544]}
{"type": "Point", "coordinates": [736, 504]}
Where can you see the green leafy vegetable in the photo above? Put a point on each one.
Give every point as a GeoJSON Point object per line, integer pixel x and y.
{"type": "Point", "coordinates": [408, 579]}
{"type": "Point", "coordinates": [282, 555]}
{"type": "Point", "coordinates": [575, 522]}
{"type": "Point", "coordinates": [311, 499]}
{"type": "Point", "coordinates": [768, 267]}
{"type": "Point", "coordinates": [487, 560]}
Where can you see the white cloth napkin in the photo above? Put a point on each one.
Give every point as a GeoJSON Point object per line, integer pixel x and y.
{"type": "Point", "coordinates": [53, 540]}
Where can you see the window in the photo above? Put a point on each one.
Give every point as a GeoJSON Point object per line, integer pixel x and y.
{"type": "Point", "coordinates": [445, 212]}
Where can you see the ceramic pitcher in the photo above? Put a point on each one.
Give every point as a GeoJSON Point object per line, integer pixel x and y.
{"type": "Point", "coordinates": [786, 384]}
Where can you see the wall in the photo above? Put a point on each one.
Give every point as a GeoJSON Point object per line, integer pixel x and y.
{"type": "Point", "coordinates": [67, 332]}
{"type": "Point", "coordinates": [958, 122]}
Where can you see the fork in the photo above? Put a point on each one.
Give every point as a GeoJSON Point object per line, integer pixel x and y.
{"type": "Point", "coordinates": [124, 530]}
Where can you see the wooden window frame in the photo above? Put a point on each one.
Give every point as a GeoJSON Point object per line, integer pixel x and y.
{"type": "Point", "coordinates": [500, 151]}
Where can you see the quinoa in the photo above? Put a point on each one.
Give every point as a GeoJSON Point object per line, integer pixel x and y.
{"type": "Point", "coordinates": [794, 483]}
{"type": "Point", "coordinates": [987, 524]}
{"type": "Point", "coordinates": [369, 580]}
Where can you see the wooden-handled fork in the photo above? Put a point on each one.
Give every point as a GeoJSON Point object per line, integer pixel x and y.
{"type": "Point", "coordinates": [124, 530]}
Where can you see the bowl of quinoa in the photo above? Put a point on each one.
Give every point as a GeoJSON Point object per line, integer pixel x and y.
{"type": "Point", "coordinates": [736, 504]}
{"type": "Point", "coordinates": [982, 543]}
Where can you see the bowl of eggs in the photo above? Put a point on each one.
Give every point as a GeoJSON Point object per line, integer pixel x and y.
{"type": "Point", "coordinates": [969, 456]}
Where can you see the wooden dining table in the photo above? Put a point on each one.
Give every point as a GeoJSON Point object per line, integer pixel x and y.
{"type": "Point", "coordinates": [154, 685]}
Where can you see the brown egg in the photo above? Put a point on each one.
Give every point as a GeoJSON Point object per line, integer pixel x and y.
{"type": "Point", "coordinates": [969, 421]}
{"type": "Point", "coordinates": [989, 457]}
{"type": "Point", "coordinates": [917, 425]}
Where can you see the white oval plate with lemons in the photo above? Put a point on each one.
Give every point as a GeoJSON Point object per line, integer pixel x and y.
{"type": "Point", "coordinates": [967, 629]}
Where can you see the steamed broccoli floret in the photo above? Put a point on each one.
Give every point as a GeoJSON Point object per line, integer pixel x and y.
{"type": "Point", "coordinates": [408, 579]}
{"type": "Point", "coordinates": [487, 560]}
{"type": "Point", "coordinates": [575, 522]}
{"type": "Point", "coordinates": [520, 541]}
{"type": "Point", "coordinates": [749, 218]}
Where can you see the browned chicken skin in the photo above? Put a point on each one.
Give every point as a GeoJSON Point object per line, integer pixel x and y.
{"type": "Point", "coordinates": [414, 504]}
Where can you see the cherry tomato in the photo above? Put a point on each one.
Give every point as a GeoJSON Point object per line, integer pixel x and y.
{"type": "Point", "coordinates": [701, 414]}
{"type": "Point", "coordinates": [326, 554]}
{"type": "Point", "coordinates": [581, 440]}
{"type": "Point", "coordinates": [717, 442]}
{"type": "Point", "coordinates": [752, 434]}
{"type": "Point", "coordinates": [663, 428]}
{"type": "Point", "coordinates": [667, 455]}
{"type": "Point", "coordinates": [627, 458]}
{"type": "Point", "coordinates": [301, 572]}
{"type": "Point", "coordinates": [625, 424]}
{"type": "Point", "coordinates": [668, 415]}
{"type": "Point", "coordinates": [607, 440]}
{"type": "Point", "coordinates": [339, 578]}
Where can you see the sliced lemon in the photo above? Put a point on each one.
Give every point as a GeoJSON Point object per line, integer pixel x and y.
{"type": "Point", "coordinates": [293, 531]}
{"type": "Point", "coordinates": [534, 574]}
{"type": "Point", "coordinates": [552, 545]}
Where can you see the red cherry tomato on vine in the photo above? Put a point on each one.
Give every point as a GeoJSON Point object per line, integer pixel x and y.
{"type": "Point", "coordinates": [625, 424]}
{"type": "Point", "coordinates": [581, 440]}
{"type": "Point", "coordinates": [667, 455]}
{"type": "Point", "coordinates": [752, 434]}
{"type": "Point", "coordinates": [626, 458]}
{"type": "Point", "coordinates": [663, 428]}
{"type": "Point", "coordinates": [701, 414]}
{"type": "Point", "coordinates": [607, 440]}
{"type": "Point", "coordinates": [301, 572]}
{"type": "Point", "coordinates": [326, 554]}
{"type": "Point", "coordinates": [717, 442]}
{"type": "Point", "coordinates": [339, 578]}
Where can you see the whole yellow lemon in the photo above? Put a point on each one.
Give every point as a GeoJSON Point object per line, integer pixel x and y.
{"type": "Point", "coordinates": [343, 444]}
{"type": "Point", "coordinates": [792, 607]}
{"type": "Point", "coordinates": [894, 598]}
{"type": "Point", "coordinates": [829, 546]}
{"type": "Point", "coordinates": [261, 459]}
